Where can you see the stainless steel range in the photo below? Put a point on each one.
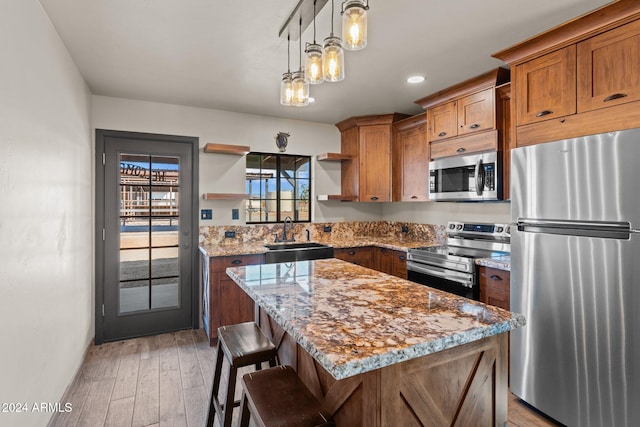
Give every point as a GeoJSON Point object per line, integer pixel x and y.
{"type": "Point", "coordinates": [451, 267]}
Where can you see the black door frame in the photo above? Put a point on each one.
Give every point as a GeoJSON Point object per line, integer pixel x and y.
{"type": "Point", "coordinates": [101, 135]}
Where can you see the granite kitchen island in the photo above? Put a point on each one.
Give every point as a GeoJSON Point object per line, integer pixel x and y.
{"type": "Point", "coordinates": [378, 350]}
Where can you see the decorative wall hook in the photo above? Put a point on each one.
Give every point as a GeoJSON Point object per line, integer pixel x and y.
{"type": "Point", "coordinates": [282, 141]}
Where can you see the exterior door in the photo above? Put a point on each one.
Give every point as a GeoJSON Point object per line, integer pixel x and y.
{"type": "Point", "coordinates": [146, 234]}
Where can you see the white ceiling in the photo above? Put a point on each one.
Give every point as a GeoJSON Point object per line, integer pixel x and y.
{"type": "Point", "coordinates": [227, 55]}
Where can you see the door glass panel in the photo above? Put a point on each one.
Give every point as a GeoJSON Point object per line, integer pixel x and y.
{"type": "Point", "coordinates": [164, 293]}
{"type": "Point", "coordinates": [134, 296]}
{"type": "Point", "coordinates": [149, 236]}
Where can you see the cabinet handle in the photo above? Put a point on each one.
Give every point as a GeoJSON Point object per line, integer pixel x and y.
{"type": "Point", "coordinates": [615, 96]}
{"type": "Point", "coordinates": [414, 197]}
{"type": "Point", "coordinates": [374, 198]}
{"type": "Point", "coordinates": [474, 126]}
{"type": "Point", "coordinates": [383, 250]}
{"type": "Point", "coordinates": [441, 134]}
{"type": "Point", "coordinates": [402, 257]}
{"type": "Point", "coordinates": [544, 113]}
{"type": "Point", "coordinates": [461, 150]}
{"type": "Point", "coordinates": [236, 261]}
{"type": "Point", "coordinates": [495, 277]}
{"type": "Point", "coordinates": [352, 252]}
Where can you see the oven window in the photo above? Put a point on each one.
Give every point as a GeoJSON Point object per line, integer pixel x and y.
{"type": "Point", "coordinates": [458, 179]}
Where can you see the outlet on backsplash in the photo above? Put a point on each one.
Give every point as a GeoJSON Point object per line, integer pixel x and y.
{"type": "Point", "coordinates": [327, 229]}
{"type": "Point", "coordinates": [229, 234]}
{"type": "Point", "coordinates": [405, 228]}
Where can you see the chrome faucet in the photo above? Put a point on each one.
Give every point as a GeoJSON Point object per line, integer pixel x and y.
{"type": "Point", "coordinates": [284, 231]}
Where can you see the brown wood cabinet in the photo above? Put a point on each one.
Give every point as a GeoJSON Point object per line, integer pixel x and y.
{"type": "Point", "coordinates": [464, 109]}
{"type": "Point", "coordinates": [410, 156]}
{"type": "Point", "coordinates": [546, 87]}
{"type": "Point", "coordinates": [392, 262]}
{"type": "Point", "coordinates": [579, 78]}
{"type": "Point", "coordinates": [495, 287]}
{"type": "Point", "coordinates": [363, 256]}
{"type": "Point", "coordinates": [224, 302]}
{"type": "Point", "coordinates": [366, 141]}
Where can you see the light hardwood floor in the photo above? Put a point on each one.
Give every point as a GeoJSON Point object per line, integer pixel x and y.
{"type": "Point", "coordinates": [165, 380]}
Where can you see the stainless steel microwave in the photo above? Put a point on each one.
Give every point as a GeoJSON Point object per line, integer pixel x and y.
{"type": "Point", "coordinates": [474, 177]}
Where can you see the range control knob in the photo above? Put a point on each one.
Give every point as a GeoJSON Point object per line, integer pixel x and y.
{"type": "Point", "coordinates": [459, 227]}
{"type": "Point", "coordinates": [507, 229]}
{"type": "Point", "coordinates": [499, 229]}
{"type": "Point", "coordinates": [452, 226]}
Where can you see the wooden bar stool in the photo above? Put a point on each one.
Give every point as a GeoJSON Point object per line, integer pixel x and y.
{"type": "Point", "coordinates": [242, 345]}
{"type": "Point", "coordinates": [277, 397]}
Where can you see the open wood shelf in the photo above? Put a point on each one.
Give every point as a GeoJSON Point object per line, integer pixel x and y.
{"type": "Point", "coordinates": [225, 196]}
{"type": "Point", "coordinates": [333, 157]}
{"type": "Point", "coordinates": [340, 197]}
{"type": "Point", "coordinates": [238, 150]}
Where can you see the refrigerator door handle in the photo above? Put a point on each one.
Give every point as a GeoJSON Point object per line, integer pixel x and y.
{"type": "Point", "coordinates": [479, 178]}
{"type": "Point", "coordinates": [607, 230]}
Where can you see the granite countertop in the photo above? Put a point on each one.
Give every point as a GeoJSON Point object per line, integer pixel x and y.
{"type": "Point", "coordinates": [353, 320]}
{"type": "Point", "coordinates": [235, 248]}
{"type": "Point", "coordinates": [501, 262]}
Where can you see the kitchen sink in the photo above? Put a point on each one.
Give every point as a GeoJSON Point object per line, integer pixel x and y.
{"type": "Point", "coordinates": [289, 252]}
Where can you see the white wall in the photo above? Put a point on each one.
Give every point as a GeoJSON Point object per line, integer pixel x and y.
{"type": "Point", "coordinates": [46, 212]}
{"type": "Point", "coordinates": [223, 173]}
{"type": "Point", "coordinates": [441, 212]}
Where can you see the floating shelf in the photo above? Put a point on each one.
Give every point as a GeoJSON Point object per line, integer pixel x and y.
{"type": "Point", "coordinates": [333, 157]}
{"type": "Point", "coordinates": [339, 197]}
{"type": "Point", "coordinates": [225, 196]}
{"type": "Point", "coordinates": [238, 150]}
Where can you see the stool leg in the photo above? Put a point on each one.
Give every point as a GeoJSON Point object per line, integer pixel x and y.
{"type": "Point", "coordinates": [259, 366]}
{"type": "Point", "coordinates": [272, 362]}
{"type": "Point", "coordinates": [244, 411]}
{"type": "Point", "coordinates": [216, 386]}
{"type": "Point", "coordinates": [231, 391]}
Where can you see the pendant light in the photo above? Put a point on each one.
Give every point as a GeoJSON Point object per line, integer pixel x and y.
{"type": "Point", "coordinates": [332, 56]}
{"type": "Point", "coordinates": [300, 84]}
{"type": "Point", "coordinates": [313, 58]}
{"type": "Point", "coordinates": [354, 24]}
{"type": "Point", "coordinates": [286, 85]}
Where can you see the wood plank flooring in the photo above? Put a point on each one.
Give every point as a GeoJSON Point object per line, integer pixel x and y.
{"type": "Point", "coordinates": [165, 380]}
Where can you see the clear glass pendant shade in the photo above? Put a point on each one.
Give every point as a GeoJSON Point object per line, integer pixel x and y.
{"type": "Point", "coordinates": [300, 90]}
{"type": "Point", "coordinates": [333, 59]}
{"type": "Point", "coordinates": [286, 89]}
{"type": "Point", "coordinates": [354, 24]}
{"type": "Point", "coordinates": [313, 64]}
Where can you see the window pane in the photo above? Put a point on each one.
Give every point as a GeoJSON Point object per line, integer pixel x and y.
{"type": "Point", "coordinates": [302, 210]}
{"type": "Point", "coordinates": [302, 190]}
{"type": "Point", "coordinates": [134, 296]}
{"type": "Point", "coordinates": [287, 166]}
{"type": "Point", "coordinates": [303, 168]}
{"type": "Point", "coordinates": [286, 209]}
{"type": "Point", "coordinates": [164, 262]}
{"type": "Point", "coordinates": [286, 188]}
{"type": "Point", "coordinates": [165, 171]}
{"type": "Point", "coordinates": [271, 189]}
{"type": "Point", "coordinates": [165, 293]}
{"type": "Point", "coordinates": [134, 264]}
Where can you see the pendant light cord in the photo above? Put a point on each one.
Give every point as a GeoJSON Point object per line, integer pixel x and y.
{"type": "Point", "coordinates": [288, 53]}
{"type": "Point", "coordinates": [314, 21]}
{"type": "Point", "coordinates": [331, 18]}
{"type": "Point", "coordinates": [300, 50]}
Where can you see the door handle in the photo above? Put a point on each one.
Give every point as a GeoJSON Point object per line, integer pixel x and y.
{"type": "Point", "coordinates": [236, 261]}
{"type": "Point", "coordinates": [441, 134]}
{"type": "Point", "coordinates": [479, 177]}
{"type": "Point", "coordinates": [461, 150]}
{"type": "Point", "coordinates": [614, 96]}
{"type": "Point", "coordinates": [495, 277]}
{"type": "Point", "coordinates": [474, 126]}
{"type": "Point", "coordinates": [544, 113]}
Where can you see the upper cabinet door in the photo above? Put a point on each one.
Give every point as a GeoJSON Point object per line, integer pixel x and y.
{"type": "Point", "coordinates": [476, 112]}
{"type": "Point", "coordinates": [375, 163]}
{"type": "Point", "coordinates": [442, 121]}
{"type": "Point", "coordinates": [609, 68]}
{"type": "Point", "coordinates": [545, 87]}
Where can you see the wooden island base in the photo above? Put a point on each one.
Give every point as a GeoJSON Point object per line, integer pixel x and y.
{"type": "Point", "coordinates": [460, 386]}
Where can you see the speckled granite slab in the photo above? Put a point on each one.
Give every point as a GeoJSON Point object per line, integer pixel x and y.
{"type": "Point", "coordinates": [501, 263]}
{"type": "Point", "coordinates": [354, 320]}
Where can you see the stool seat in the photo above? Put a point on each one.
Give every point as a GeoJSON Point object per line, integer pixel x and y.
{"type": "Point", "coordinates": [277, 397]}
{"type": "Point", "coordinates": [242, 345]}
{"type": "Point", "coordinates": [245, 344]}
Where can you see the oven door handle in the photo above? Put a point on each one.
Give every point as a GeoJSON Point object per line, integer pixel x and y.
{"type": "Point", "coordinates": [462, 278]}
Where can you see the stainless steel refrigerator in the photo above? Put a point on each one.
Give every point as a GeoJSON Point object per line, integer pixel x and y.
{"type": "Point", "coordinates": [575, 275]}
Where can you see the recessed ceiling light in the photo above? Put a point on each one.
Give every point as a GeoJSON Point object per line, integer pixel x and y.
{"type": "Point", "coordinates": [415, 79]}
{"type": "Point", "coordinates": [311, 99]}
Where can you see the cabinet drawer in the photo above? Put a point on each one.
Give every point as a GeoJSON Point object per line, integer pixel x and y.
{"type": "Point", "coordinates": [360, 256]}
{"type": "Point", "coordinates": [495, 287]}
{"type": "Point", "coordinates": [220, 264]}
{"type": "Point", "coordinates": [468, 144]}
